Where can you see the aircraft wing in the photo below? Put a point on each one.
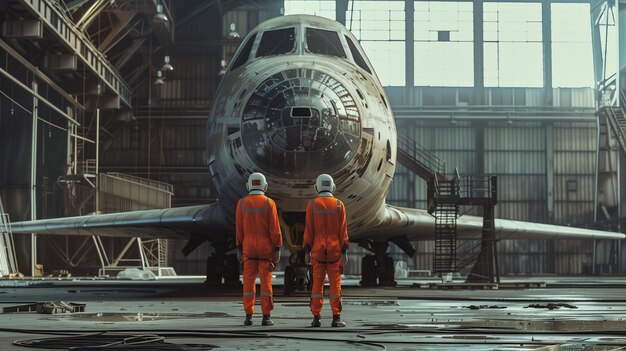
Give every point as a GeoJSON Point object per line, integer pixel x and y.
{"type": "Point", "coordinates": [175, 223]}
{"type": "Point", "coordinates": [418, 224]}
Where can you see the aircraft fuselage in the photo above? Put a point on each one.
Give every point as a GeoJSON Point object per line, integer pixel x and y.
{"type": "Point", "coordinates": [294, 116]}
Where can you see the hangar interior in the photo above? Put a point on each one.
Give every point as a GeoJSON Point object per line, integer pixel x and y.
{"type": "Point", "coordinates": [104, 107]}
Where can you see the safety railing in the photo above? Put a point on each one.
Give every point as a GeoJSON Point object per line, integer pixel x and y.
{"type": "Point", "coordinates": [420, 154]}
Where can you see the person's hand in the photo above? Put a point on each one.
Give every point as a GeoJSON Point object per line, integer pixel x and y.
{"type": "Point", "coordinates": [344, 259]}
{"type": "Point", "coordinates": [240, 254]}
{"type": "Point", "coordinates": [276, 255]}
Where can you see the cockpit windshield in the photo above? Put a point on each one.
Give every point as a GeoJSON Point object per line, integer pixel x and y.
{"type": "Point", "coordinates": [277, 42]}
{"type": "Point", "coordinates": [324, 42]}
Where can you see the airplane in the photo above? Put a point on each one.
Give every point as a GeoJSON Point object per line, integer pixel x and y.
{"type": "Point", "coordinates": [299, 98]}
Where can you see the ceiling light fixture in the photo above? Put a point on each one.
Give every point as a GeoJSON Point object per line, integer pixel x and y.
{"type": "Point", "coordinates": [222, 68]}
{"type": "Point", "coordinates": [167, 66]}
{"type": "Point", "coordinates": [160, 17]}
{"type": "Point", "coordinates": [160, 79]}
{"type": "Point", "coordinates": [233, 33]}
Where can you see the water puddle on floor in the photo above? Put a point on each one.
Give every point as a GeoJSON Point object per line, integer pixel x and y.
{"type": "Point", "coordinates": [349, 302]}
{"type": "Point", "coordinates": [141, 317]}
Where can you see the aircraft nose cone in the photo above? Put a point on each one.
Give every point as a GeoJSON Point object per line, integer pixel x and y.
{"type": "Point", "coordinates": [298, 121]}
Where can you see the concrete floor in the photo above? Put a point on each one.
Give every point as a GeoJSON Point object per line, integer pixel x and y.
{"type": "Point", "coordinates": [184, 311]}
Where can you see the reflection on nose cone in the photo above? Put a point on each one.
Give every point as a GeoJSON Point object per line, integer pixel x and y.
{"type": "Point", "coordinates": [298, 120]}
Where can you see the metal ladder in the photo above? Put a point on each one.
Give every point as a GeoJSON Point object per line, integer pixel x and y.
{"type": "Point", "coordinates": [445, 238]}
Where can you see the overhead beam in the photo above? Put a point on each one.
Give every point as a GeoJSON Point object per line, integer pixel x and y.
{"type": "Point", "coordinates": [92, 13]}
{"type": "Point", "coordinates": [114, 37]}
{"type": "Point", "coordinates": [67, 33]}
{"type": "Point", "coordinates": [74, 4]}
{"type": "Point", "coordinates": [39, 74]}
{"type": "Point", "coordinates": [128, 53]}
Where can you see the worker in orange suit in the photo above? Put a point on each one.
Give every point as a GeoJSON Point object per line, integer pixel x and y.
{"type": "Point", "coordinates": [326, 245]}
{"type": "Point", "coordinates": [258, 245]}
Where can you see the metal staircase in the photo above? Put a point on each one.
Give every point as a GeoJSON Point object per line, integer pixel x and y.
{"type": "Point", "coordinates": [617, 119]}
{"type": "Point", "coordinates": [423, 163]}
{"type": "Point", "coordinates": [418, 159]}
{"type": "Point", "coordinates": [444, 198]}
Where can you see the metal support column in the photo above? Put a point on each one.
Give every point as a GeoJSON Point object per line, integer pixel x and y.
{"type": "Point", "coordinates": [479, 61]}
{"type": "Point", "coordinates": [620, 37]}
{"type": "Point", "coordinates": [97, 180]}
{"type": "Point", "coordinates": [549, 171]}
{"type": "Point", "coordinates": [33, 178]}
{"type": "Point", "coordinates": [546, 28]}
{"type": "Point", "coordinates": [409, 26]}
{"type": "Point", "coordinates": [341, 8]}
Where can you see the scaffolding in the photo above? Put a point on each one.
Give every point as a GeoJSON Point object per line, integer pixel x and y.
{"type": "Point", "coordinates": [122, 192]}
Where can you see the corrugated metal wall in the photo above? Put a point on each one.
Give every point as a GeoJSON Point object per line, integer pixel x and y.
{"type": "Point", "coordinates": [518, 154]}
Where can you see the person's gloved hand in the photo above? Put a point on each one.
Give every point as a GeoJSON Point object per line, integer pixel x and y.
{"type": "Point", "coordinates": [240, 254]}
{"type": "Point", "coordinates": [344, 256]}
{"type": "Point", "coordinates": [276, 255]}
{"type": "Point", "coordinates": [307, 255]}
{"type": "Point", "coordinates": [344, 259]}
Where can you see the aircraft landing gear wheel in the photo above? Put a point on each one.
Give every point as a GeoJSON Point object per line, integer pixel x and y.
{"type": "Point", "coordinates": [213, 272]}
{"type": "Point", "coordinates": [231, 270]}
{"type": "Point", "coordinates": [368, 271]}
{"type": "Point", "coordinates": [290, 280]}
{"type": "Point", "coordinates": [389, 272]}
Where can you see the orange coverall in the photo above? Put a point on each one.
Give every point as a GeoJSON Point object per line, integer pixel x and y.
{"type": "Point", "coordinates": [258, 232]}
{"type": "Point", "coordinates": [326, 234]}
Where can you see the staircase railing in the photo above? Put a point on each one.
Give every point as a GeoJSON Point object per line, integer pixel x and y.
{"type": "Point", "coordinates": [617, 120]}
{"type": "Point", "coordinates": [419, 154]}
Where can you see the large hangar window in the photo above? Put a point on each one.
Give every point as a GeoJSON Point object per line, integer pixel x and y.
{"type": "Point", "coordinates": [322, 8]}
{"type": "Point", "coordinates": [513, 50]}
{"type": "Point", "coordinates": [324, 42]}
{"type": "Point", "coordinates": [379, 26]}
{"type": "Point", "coordinates": [572, 55]}
{"type": "Point", "coordinates": [444, 43]}
{"type": "Point", "coordinates": [277, 42]}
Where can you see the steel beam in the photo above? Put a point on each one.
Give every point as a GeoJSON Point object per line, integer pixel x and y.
{"type": "Point", "coordinates": [37, 73]}
{"type": "Point", "coordinates": [78, 44]}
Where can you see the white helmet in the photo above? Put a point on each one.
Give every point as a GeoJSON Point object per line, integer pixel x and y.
{"type": "Point", "coordinates": [324, 182]}
{"type": "Point", "coordinates": [256, 181]}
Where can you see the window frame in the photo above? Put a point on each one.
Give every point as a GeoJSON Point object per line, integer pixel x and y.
{"type": "Point", "coordinates": [252, 40]}
{"type": "Point", "coordinates": [305, 42]}
{"type": "Point", "coordinates": [295, 49]}
{"type": "Point", "coordinates": [367, 67]}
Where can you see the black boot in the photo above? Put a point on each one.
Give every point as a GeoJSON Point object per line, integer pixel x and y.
{"type": "Point", "coordinates": [316, 322]}
{"type": "Point", "coordinates": [266, 320]}
{"type": "Point", "coordinates": [248, 320]}
{"type": "Point", "coordinates": [337, 322]}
